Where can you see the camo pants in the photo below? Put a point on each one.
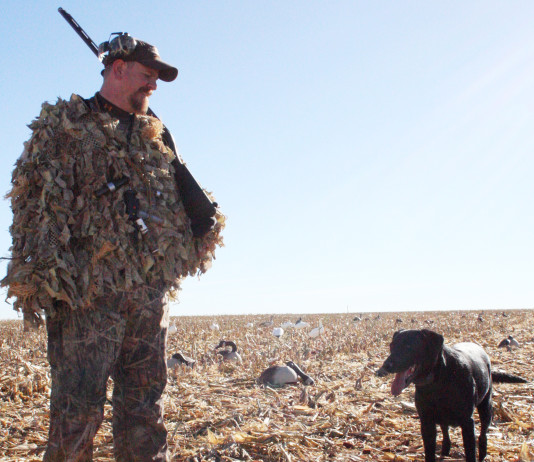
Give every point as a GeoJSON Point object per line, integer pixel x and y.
{"type": "Point", "coordinates": [87, 347]}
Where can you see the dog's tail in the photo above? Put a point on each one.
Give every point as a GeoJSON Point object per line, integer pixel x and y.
{"type": "Point", "coordinates": [504, 377]}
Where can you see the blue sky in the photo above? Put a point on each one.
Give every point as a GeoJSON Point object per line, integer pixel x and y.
{"type": "Point", "coordinates": [368, 156]}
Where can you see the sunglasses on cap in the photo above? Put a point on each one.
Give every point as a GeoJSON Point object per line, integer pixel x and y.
{"type": "Point", "coordinates": [120, 46]}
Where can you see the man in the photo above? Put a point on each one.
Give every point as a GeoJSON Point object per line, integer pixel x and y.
{"type": "Point", "coordinates": [100, 238]}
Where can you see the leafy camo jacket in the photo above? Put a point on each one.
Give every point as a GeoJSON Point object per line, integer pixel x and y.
{"type": "Point", "coordinates": [71, 244]}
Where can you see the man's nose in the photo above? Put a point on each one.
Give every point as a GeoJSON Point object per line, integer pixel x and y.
{"type": "Point", "coordinates": [152, 84]}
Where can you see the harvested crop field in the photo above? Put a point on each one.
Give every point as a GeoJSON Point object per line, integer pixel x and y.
{"type": "Point", "coordinates": [217, 412]}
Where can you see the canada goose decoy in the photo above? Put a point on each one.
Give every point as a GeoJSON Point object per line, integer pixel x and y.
{"type": "Point", "coordinates": [508, 343]}
{"type": "Point", "coordinates": [267, 323]}
{"type": "Point", "coordinates": [178, 358]}
{"type": "Point", "coordinates": [229, 355]}
{"type": "Point", "coordinates": [278, 376]}
{"type": "Point", "coordinates": [306, 379]}
{"type": "Point", "coordinates": [317, 331]}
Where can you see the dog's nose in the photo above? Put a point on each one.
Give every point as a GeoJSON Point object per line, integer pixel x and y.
{"type": "Point", "coordinates": [382, 372]}
{"type": "Point", "coordinates": [386, 368]}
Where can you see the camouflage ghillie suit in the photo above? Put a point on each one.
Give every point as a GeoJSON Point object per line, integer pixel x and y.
{"type": "Point", "coordinates": [79, 257]}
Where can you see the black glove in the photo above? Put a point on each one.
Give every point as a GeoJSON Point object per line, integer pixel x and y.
{"type": "Point", "coordinates": [201, 226]}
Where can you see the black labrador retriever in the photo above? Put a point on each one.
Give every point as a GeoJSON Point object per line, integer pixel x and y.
{"type": "Point", "coordinates": [450, 381]}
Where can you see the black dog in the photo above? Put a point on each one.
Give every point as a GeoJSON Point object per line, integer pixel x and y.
{"type": "Point", "coordinates": [450, 381]}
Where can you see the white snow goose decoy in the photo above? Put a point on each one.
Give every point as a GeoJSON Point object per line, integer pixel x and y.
{"type": "Point", "coordinates": [317, 331]}
{"type": "Point", "coordinates": [172, 329]}
{"type": "Point", "coordinates": [278, 332]}
{"type": "Point", "coordinates": [287, 325]}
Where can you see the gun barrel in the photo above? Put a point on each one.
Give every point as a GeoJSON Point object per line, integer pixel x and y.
{"type": "Point", "coordinates": [78, 29]}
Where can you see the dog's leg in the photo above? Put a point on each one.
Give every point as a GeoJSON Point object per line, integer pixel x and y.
{"type": "Point", "coordinates": [485, 414]}
{"type": "Point", "coordinates": [446, 445]}
{"type": "Point", "coordinates": [429, 432]}
{"type": "Point", "coordinates": [468, 435]}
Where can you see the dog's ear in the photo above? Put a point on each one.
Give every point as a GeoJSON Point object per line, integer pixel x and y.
{"type": "Point", "coordinates": [434, 344]}
{"type": "Point", "coordinates": [396, 333]}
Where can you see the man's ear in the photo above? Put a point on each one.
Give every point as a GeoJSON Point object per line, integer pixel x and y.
{"type": "Point", "coordinates": [118, 67]}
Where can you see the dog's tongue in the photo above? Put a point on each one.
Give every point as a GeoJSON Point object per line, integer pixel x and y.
{"type": "Point", "coordinates": [399, 383]}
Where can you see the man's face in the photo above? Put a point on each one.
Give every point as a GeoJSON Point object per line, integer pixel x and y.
{"type": "Point", "coordinates": [139, 82]}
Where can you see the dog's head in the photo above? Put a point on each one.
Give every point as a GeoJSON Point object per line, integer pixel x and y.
{"type": "Point", "coordinates": [414, 353]}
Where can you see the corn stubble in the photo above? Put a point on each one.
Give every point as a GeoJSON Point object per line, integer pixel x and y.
{"type": "Point", "coordinates": [217, 412]}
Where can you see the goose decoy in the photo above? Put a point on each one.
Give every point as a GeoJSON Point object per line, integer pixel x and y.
{"type": "Point", "coordinates": [278, 376]}
{"type": "Point", "coordinates": [505, 343]}
{"type": "Point", "coordinates": [267, 323]}
{"type": "Point", "coordinates": [172, 329]}
{"type": "Point", "coordinates": [229, 355]}
{"type": "Point", "coordinates": [178, 358]}
{"type": "Point", "coordinates": [306, 379]}
{"type": "Point", "coordinates": [301, 324]}
{"type": "Point", "coordinates": [287, 325]}
{"type": "Point", "coordinates": [317, 331]}
{"type": "Point", "coordinates": [508, 343]}
{"type": "Point", "coordinates": [278, 332]}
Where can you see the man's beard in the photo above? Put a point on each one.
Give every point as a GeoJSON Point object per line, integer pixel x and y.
{"type": "Point", "coordinates": [139, 100]}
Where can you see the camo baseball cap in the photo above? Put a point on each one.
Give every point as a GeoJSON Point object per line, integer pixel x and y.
{"type": "Point", "coordinates": [147, 55]}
